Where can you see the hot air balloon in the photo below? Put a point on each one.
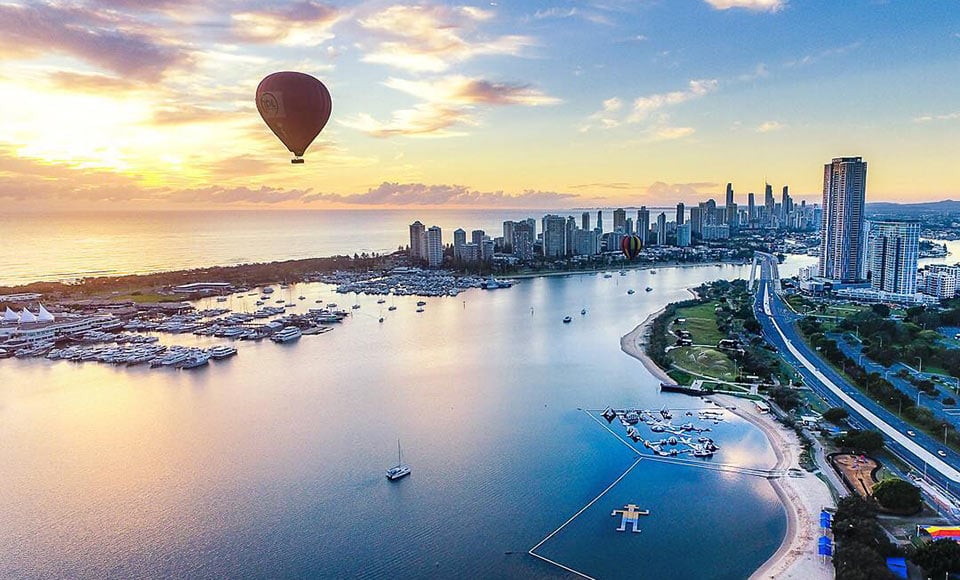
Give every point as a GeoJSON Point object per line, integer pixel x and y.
{"type": "Point", "coordinates": [631, 246]}
{"type": "Point", "coordinates": [295, 106]}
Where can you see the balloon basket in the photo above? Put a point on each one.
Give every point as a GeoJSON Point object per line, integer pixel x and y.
{"type": "Point", "coordinates": [297, 160]}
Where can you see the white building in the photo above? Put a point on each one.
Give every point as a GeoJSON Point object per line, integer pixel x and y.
{"type": "Point", "coordinates": [844, 194]}
{"type": "Point", "coordinates": [941, 284]}
{"type": "Point", "coordinates": [892, 251]}
{"type": "Point", "coordinates": [434, 247]}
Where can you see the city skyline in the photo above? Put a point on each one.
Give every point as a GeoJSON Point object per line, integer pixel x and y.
{"type": "Point", "coordinates": [490, 105]}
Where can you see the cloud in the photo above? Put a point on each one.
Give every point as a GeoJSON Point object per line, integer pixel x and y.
{"type": "Point", "coordinates": [812, 58]}
{"type": "Point", "coordinates": [107, 41]}
{"type": "Point", "coordinates": [664, 190]}
{"type": "Point", "coordinates": [945, 117]}
{"type": "Point", "coordinates": [753, 5]}
{"type": "Point", "coordinates": [644, 106]}
{"type": "Point", "coordinates": [419, 194]}
{"type": "Point", "coordinates": [463, 90]}
{"type": "Point", "coordinates": [670, 133]}
{"type": "Point", "coordinates": [305, 23]}
{"type": "Point", "coordinates": [605, 185]}
{"type": "Point", "coordinates": [760, 72]}
{"type": "Point", "coordinates": [424, 120]}
{"type": "Point", "coordinates": [432, 38]}
{"type": "Point", "coordinates": [768, 126]}
{"type": "Point", "coordinates": [233, 195]}
{"type": "Point", "coordinates": [606, 117]}
{"type": "Point", "coordinates": [557, 12]}
{"type": "Point", "coordinates": [187, 114]}
{"type": "Point", "coordinates": [91, 83]}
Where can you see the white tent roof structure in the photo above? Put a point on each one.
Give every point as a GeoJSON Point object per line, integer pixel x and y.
{"type": "Point", "coordinates": [44, 315]}
{"type": "Point", "coordinates": [10, 316]}
{"type": "Point", "coordinates": [27, 316]}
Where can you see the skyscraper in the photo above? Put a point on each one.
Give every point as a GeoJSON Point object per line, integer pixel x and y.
{"type": "Point", "coordinates": [620, 219]}
{"type": "Point", "coordinates": [841, 230]}
{"type": "Point", "coordinates": [662, 229]}
{"type": "Point", "coordinates": [459, 239]}
{"type": "Point", "coordinates": [643, 223]}
{"type": "Point", "coordinates": [570, 228]}
{"type": "Point", "coordinates": [729, 199]}
{"type": "Point", "coordinates": [786, 206]}
{"type": "Point", "coordinates": [751, 208]}
{"type": "Point", "coordinates": [508, 228]}
{"type": "Point", "coordinates": [434, 247]}
{"type": "Point", "coordinates": [600, 220]}
{"type": "Point", "coordinates": [681, 212]}
{"type": "Point", "coordinates": [554, 230]}
{"type": "Point", "coordinates": [696, 220]}
{"type": "Point", "coordinates": [893, 249]}
{"type": "Point", "coordinates": [417, 249]}
{"type": "Point", "coordinates": [524, 234]}
{"type": "Point", "coordinates": [585, 220]}
{"type": "Point", "coordinates": [476, 236]}
{"type": "Point", "coordinates": [769, 205]}
{"type": "Point", "coordinates": [683, 235]}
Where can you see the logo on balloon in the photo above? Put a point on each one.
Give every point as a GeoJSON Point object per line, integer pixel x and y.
{"type": "Point", "coordinates": [269, 106]}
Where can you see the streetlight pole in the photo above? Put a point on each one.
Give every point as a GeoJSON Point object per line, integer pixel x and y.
{"type": "Point", "coordinates": [920, 365]}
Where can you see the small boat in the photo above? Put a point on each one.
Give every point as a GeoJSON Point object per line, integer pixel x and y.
{"type": "Point", "coordinates": [381, 319]}
{"type": "Point", "coordinates": [381, 301]}
{"type": "Point", "coordinates": [392, 308]}
{"type": "Point", "coordinates": [649, 289]}
{"type": "Point", "coordinates": [221, 299]}
{"type": "Point", "coordinates": [355, 306]}
{"type": "Point", "coordinates": [630, 291]}
{"type": "Point", "coordinates": [421, 303]}
{"type": "Point", "coordinates": [420, 309]}
{"type": "Point", "coordinates": [399, 470]}
{"type": "Point", "coordinates": [653, 271]}
{"type": "Point", "coordinates": [567, 319]}
{"type": "Point", "coordinates": [583, 312]}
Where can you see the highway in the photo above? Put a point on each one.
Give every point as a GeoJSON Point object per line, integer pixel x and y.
{"type": "Point", "coordinates": [779, 330]}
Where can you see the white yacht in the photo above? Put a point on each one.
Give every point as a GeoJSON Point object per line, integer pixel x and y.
{"type": "Point", "coordinates": [400, 469]}
{"type": "Point", "coordinates": [287, 334]}
{"type": "Point", "coordinates": [222, 351]}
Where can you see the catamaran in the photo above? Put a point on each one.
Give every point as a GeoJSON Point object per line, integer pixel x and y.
{"type": "Point", "coordinates": [400, 469]}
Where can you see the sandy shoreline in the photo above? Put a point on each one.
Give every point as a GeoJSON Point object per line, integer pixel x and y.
{"type": "Point", "coordinates": [802, 497]}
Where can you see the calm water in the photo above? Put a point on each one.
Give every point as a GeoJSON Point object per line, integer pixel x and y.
{"type": "Point", "coordinates": [271, 464]}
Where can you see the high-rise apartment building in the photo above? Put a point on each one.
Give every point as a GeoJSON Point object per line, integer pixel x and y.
{"type": "Point", "coordinates": [554, 236]}
{"type": "Point", "coordinates": [696, 220]}
{"type": "Point", "coordinates": [620, 219]}
{"type": "Point", "coordinates": [568, 242]}
{"type": "Point", "coordinates": [662, 229]}
{"type": "Point", "coordinates": [844, 194]}
{"type": "Point", "coordinates": [786, 206]}
{"type": "Point", "coordinates": [459, 239]}
{"type": "Point", "coordinates": [728, 200]}
{"type": "Point", "coordinates": [893, 248]}
{"type": "Point", "coordinates": [683, 235]}
{"type": "Point", "coordinates": [681, 213]}
{"type": "Point", "coordinates": [508, 228]}
{"type": "Point", "coordinates": [751, 208]}
{"type": "Point", "coordinates": [769, 205]}
{"type": "Point", "coordinates": [418, 250]}
{"type": "Point", "coordinates": [524, 234]}
{"type": "Point", "coordinates": [585, 220]}
{"type": "Point", "coordinates": [600, 220]}
{"type": "Point", "coordinates": [476, 236]}
{"type": "Point", "coordinates": [434, 247]}
{"type": "Point", "coordinates": [643, 223]}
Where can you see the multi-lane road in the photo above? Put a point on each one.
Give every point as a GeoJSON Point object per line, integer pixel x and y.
{"type": "Point", "coordinates": [922, 452]}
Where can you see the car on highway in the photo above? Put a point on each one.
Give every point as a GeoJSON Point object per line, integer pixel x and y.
{"type": "Point", "coordinates": [941, 453]}
{"type": "Point", "coordinates": [912, 433]}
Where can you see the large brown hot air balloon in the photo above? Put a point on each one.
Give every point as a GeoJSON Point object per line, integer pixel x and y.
{"type": "Point", "coordinates": [295, 106]}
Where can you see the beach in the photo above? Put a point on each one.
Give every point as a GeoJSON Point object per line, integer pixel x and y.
{"type": "Point", "coordinates": [803, 495]}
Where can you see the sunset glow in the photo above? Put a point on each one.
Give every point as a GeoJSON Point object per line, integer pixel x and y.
{"type": "Point", "coordinates": [522, 104]}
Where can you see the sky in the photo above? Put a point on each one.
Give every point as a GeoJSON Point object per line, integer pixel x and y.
{"type": "Point", "coordinates": [505, 103]}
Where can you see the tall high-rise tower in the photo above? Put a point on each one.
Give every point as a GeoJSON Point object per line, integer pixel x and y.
{"type": "Point", "coordinates": [434, 247]}
{"type": "Point", "coordinates": [680, 213]}
{"type": "Point", "coordinates": [643, 223]}
{"type": "Point", "coordinates": [751, 208]}
{"type": "Point", "coordinates": [728, 201]}
{"type": "Point", "coordinates": [418, 249]}
{"type": "Point", "coordinates": [841, 229]}
{"type": "Point", "coordinates": [892, 256]}
{"type": "Point", "coordinates": [600, 219]}
{"type": "Point", "coordinates": [620, 219]}
{"type": "Point", "coordinates": [662, 229]}
{"type": "Point", "coordinates": [585, 221]}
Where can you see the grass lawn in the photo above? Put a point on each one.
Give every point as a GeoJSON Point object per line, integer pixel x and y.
{"type": "Point", "coordinates": [701, 323]}
{"type": "Point", "coordinates": [706, 361]}
{"type": "Point", "coordinates": [145, 298]}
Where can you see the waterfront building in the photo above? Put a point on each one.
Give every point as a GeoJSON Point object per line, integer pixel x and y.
{"type": "Point", "coordinates": [459, 239]}
{"type": "Point", "coordinates": [434, 247]}
{"type": "Point", "coordinates": [418, 250]}
{"type": "Point", "coordinates": [716, 231]}
{"type": "Point", "coordinates": [508, 227]}
{"type": "Point", "coordinates": [769, 205]}
{"type": "Point", "coordinates": [680, 213]}
{"type": "Point", "coordinates": [585, 220]}
{"type": "Point", "coordinates": [844, 193]}
{"type": "Point", "coordinates": [733, 217]}
{"type": "Point", "coordinates": [683, 235]}
{"type": "Point", "coordinates": [751, 208]}
{"type": "Point", "coordinates": [643, 224]}
{"type": "Point", "coordinates": [476, 236]}
{"type": "Point", "coordinates": [554, 236]}
{"type": "Point", "coordinates": [524, 234]}
{"type": "Point", "coordinates": [893, 248]}
{"type": "Point", "coordinates": [486, 249]}
{"type": "Point", "coordinates": [568, 236]}
{"type": "Point", "coordinates": [696, 221]}
{"type": "Point", "coordinates": [469, 252]}
{"type": "Point", "coordinates": [600, 220]}
{"type": "Point", "coordinates": [662, 229]}
{"type": "Point", "coordinates": [620, 219]}
{"type": "Point", "coordinates": [586, 242]}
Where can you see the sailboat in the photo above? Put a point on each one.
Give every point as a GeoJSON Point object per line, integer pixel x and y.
{"type": "Point", "coordinates": [400, 469]}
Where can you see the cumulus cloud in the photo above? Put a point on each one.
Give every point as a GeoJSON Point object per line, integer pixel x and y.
{"type": "Point", "coordinates": [420, 194]}
{"type": "Point", "coordinates": [945, 117]}
{"type": "Point", "coordinates": [670, 133]}
{"type": "Point", "coordinates": [104, 40]}
{"type": "Point", "coordinates": [768, 126]}
{"type": "Point", "coordinates": [306, 23]}
{"type": "Point", "coordinates": [424, 119]}
{"type": "Point", "coordinates": [644, 106]}
{"type": "Point", "coordinates": [463, 90]}
{"type": "Point", "coordinates": [754, 5]}
{"type": "Point", "coordinates": [759, 72]}
{"type": "Point", "coordinates": [557, 13]}
{"type": "Point", "coordinates": [606, 117]}
{"type": "Point", "coordinates": [432, 38]}
{"type": "Point", "coordinates": [182, 114]}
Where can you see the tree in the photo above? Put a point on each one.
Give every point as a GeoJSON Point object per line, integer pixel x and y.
{"type": "Point", "coordinates": [836, 415]}
{"type": "Point", "coordinates": [881, 310]}
{"type": "Point", "coordinates": [898, 495]}
{"type": "Point", "coordinates": [866, 441]}
{"type": "Point", "coordinates": [938, 558]}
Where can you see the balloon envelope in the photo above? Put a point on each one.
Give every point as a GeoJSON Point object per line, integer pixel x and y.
{"type": "Point", "coordinates": [295, 106]}
{"type": "Point", "coordinates": [631, 246]}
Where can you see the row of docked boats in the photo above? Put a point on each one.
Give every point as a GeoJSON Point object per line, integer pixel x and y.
{"type": "Point", "coordinates": [153, 354]}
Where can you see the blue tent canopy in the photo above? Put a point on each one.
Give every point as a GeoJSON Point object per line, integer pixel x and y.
{"type": "Point", "coordinates": [824, 546]}
{"type": "Point", "coordinates": [898, 566]}
{"type": "Point", "coordinates": [825, 519]}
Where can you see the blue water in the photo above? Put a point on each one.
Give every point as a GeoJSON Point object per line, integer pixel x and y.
{"type": "Point", "coordinates": [271, 464]}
